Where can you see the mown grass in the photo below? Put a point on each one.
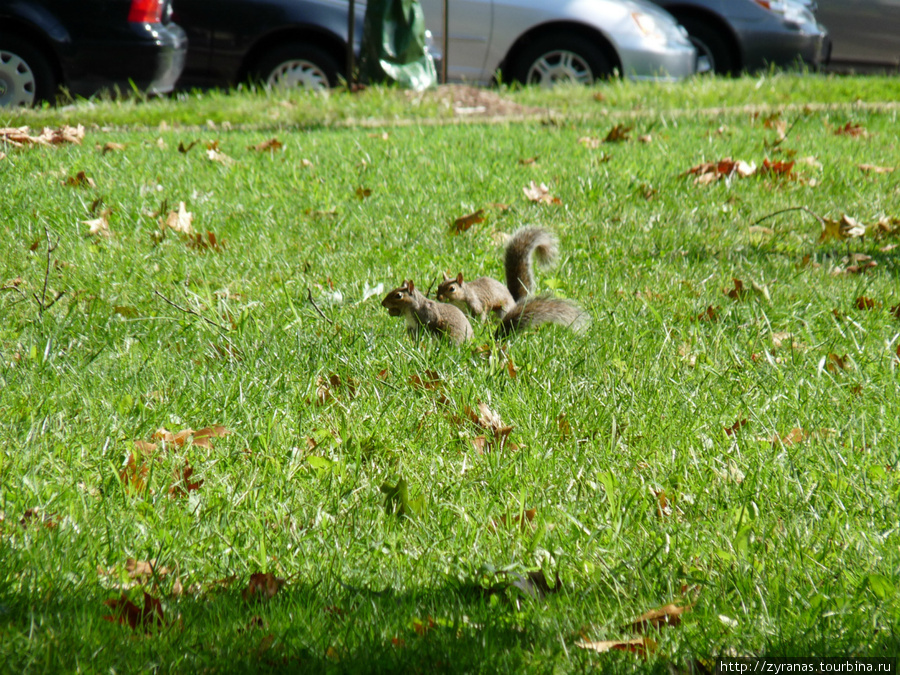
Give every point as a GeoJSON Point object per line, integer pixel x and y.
{"type": "Point", "coordinates": [785, 547]}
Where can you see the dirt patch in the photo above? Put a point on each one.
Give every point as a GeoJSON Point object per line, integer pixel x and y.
{"type": "Point", "coordinates": [467, 101]}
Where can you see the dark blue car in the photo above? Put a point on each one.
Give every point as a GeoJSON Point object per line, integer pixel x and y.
{"type": "Point", "coordinates": [85, 47]}
{"type": "Point", "coordinates": [273, 42]}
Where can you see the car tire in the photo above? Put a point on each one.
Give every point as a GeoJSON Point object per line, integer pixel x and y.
{"type": "Point", "coordinates": [26, 77]}
{"type": "Point", "coordinates": [297, 65]}
{"type": "Point", "coordinates": [561, 58]}
{"type": "Point", "coordinates": [715, 53]}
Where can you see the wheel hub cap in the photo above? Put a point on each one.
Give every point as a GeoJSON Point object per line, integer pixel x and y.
{"type": "Point", "coordinates": [17, 85]}
{"type": "Point", "coordinates": [560, 66]}
{"type": "Point", "coordinates": [298, 73]}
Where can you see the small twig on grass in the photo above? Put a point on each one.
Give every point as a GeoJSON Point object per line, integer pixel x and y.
{"type": "Point", "coordinates": [788, 131]}
{"type": "Point", "coordinates": [212, 323]}
{"type": "Point", "coordinates": [316, 307]}
{"type": "Point", "coordinates": [42, 301]}
{"type": "Point", "coordinates": [792, 208]}
{"type": "Point", "coordinates": [191, 311]}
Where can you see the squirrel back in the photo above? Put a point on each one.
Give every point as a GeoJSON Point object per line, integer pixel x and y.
{"type": "Point", "coordinates": [441, 320]}
{"type": "Point", "coordinates": [480, 296]}
{"type": "Point", "coordinates": [525, 244]}
{"type": "Point", "coordinates": [533, 311]}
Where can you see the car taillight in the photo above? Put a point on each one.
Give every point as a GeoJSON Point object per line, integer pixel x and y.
{"type": "Point", "coordinates": [146, 11]}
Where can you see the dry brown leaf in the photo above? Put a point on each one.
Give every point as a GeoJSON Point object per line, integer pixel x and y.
{"type": "Point", "coordinates": [465, 222]}
{"type": "Point", "coordinates": [836, 363]}
{"type": "Point", "coordinates": [540, 194]}
{"type": "Point", "coordinates": [112, 147]}
{"type": "Point", "coordinates": [590, 142]}
{"type": "Point", "coordinates": [738, 292]}
{"type": "Point", "coordinates": [216, 155]}
{"type": "Point", "coordinates": [528, 160]}
{"type": "Point", "coordinates": [710, 314]}
{"type": "Point", "coordinates": [617, 134]}
{"type": "Point", "coordinates": [127, 613]}
{"type": "Point", "coordinates": [871, 168]}
{"type": "Point", "coordinates": [736, 427]}
{"type": "Point", "coordinates": [267, 146]}
{"type": "Point", "coordinates": [853, 130]}
{"type": "Point", "coordinates": [180, 220]}
{"type": "Point", "coordinates": [640, 646]}
{"type": "Point", "coordinates": [362, 193]}
{"type": "Point", "coordinates": [262, 586]}
{"type": "Point", "coordinates": [183, 484]}
{"type": "Point", "coordinates": [99, 226]}
{"type": "Point", "coordinates": [865, 303]}
{"type": "Point", "coordinates": [668, 615]}
{"type": "Point", "coordinates": [523, 520]}
{"type": "Point", "coordinates": [32, 516]}
{"type": "Point", "coordinates": [80, 179]}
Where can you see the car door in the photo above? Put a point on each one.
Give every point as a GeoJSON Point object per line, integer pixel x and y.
{"type": "Point", "coordinates": [471, 22]}
{"type": "Point", "coordinates": [863, 32]}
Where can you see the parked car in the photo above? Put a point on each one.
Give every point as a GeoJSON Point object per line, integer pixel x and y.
{"type": "Point", "coordinates": [733, 36]}
{"type": "Point", "coordinates": [540, 42]}
{"type": "Point", "coordinates": [303, 42]}
{"type": "Point", "coordinates": [84, 47]}
{"type": "Point", "coordinates": [865, 34]}
{"type": "Point", "coordinates": [276, 42]}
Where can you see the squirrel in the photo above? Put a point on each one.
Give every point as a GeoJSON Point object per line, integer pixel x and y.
{"type": "Point", "coordinates": [514, 305]}
{"type": "Point", "coordinates": [441, 320]}
{"type": "Point", "coordinates": [480, 296]}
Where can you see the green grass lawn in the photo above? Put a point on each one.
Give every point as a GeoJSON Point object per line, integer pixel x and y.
{"type": "Point", "coordinates": [724, 437]}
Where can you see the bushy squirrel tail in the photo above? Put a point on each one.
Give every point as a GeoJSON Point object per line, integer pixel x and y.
{"type": "Point", "coordinates": [525, 244]}
{"type": "Point", "coordinates": [534, 311]}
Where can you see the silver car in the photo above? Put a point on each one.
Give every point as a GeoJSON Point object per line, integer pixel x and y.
{"type": "Point", "coordinates": [865, 34]}
{"type": "Point", "coordinates": [733, 36]}
{"type": "Point", "coordinates": [543, 42]}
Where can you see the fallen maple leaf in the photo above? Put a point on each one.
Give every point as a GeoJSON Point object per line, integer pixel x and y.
{"type": "Point", "coordinates": [853, 130]}
{"type": "Point", "coordinates": [180, 220]}
{"type": "Point", "coordinates": [262, 586]}
{"type": "Point", "coordinates": [80, 179]}
{"type": "Point", "coordinates": [112, 147]}
{"type": "Point", "coordinates": [640, 646]}
{"type": "Point", "coordinates": [734, 428]}
{"type": "Point", "coordinates": [270, 145]}
{"type": "Point", "coordinates": [864, 303]}
{"type": "Point", "coordinates": [668, 615]}
{"type": "Point", "coordinates": [871, 168]}
{"type": "Point", "coordinates": [127, 613]}
{"type": "Point", "coordinates": [463, 223]}
{"type": "Point", "coordinates": [99, 226]}
{"type": "Point", "coordinates": [845, 228]}
{"type": "Point", "coordinates": [540, 194]}
{"type": "Point", "coordinates": [183, 483]}
{"type": "Point", "coordinates": [617, 134]}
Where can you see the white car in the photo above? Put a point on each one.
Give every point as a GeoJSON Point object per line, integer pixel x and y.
{"type": "Point", "coordinates": [544, 42]}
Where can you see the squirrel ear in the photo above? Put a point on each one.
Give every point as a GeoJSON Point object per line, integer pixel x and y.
{"type": "Point", "coordinates": [459, 278]}
{"type": "Point", "coordinates": [410, 286]}
{"type": "Point", "coordinates": [446, 277]}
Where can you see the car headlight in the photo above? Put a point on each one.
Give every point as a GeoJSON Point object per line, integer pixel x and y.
{"type": "Point", "coordinates": [649, 26]}
{"type": "Point", "coordinates": [798, 13]}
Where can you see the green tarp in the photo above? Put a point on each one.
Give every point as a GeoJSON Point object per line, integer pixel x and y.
{"type": "Point", "coordinates": [393, 45]}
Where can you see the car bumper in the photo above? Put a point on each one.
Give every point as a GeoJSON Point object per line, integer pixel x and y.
{"type": "Point", "coordinates": [666, 63]}
{"type": "Point", "coordinates": [150, 62]}
{"type": "Point", "coordinates": [785, 45]}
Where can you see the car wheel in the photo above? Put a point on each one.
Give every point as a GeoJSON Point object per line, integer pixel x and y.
{"type": "Point", "coordinates": [302, 66]}
{"type": "Point", "coordinates": [558, 58]}
{"type": "Point", "coordinates": [25, 74]}
{"type": "Point", "coordinates": [714, 52]}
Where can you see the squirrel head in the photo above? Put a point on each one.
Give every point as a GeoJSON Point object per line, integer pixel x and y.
{"type": "Point", "coordinates": [448, 287]}
{"type": "Point", "coordinates": [398, 297]}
